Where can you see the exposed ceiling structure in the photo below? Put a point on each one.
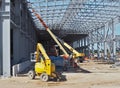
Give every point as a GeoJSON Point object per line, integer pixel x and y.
{"type": "Point", "coordinates": [75, 16]}
{"type": "Point", "coordinates": [69, 37]}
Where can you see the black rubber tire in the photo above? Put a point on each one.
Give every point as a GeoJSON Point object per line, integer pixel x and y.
{"type": "Point", "coordinates": [44, 77]}
{"type": "Point", "coordinates": [31, 74]}
{"type": "Point", "coordinates": [81, 60]}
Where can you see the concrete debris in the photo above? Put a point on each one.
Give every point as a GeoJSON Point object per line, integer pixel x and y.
{"type": "Point", "coordinates": [117, 64]}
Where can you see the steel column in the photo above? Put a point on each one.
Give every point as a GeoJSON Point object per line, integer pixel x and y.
{"type": "Point", "coordinates": [105, 43]}
{"type": "Point", "coordinates": [98, 45]}
{"type": "Point", "coordinates": [6, 38]}
{"type": "Point", "coordinates": [92, 43]}
{"type": "Point", "coordinates": [88, 44]}
{"type": "Point", "coordinates": [113, 39]}
{"type": "Point", "coordinates": [0, 43]}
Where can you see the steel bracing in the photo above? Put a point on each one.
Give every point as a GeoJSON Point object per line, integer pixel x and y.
{"type": "Point", "coordinates": [97, 18]}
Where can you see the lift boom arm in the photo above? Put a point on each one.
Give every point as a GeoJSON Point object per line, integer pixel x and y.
{"type": "Point", "coordinates": [42, 50]}
{"type": "Point", "coordinates": [75, 52]}
{"type": "Point", "coordinates": [49, 31]}
{"type": "Point", "coordinates": [46, 62]}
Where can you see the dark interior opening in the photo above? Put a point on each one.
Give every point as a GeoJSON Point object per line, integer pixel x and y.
{"type": "Point", "coordinates": [11, 45]}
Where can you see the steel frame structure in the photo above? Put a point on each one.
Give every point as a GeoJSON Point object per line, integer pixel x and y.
{"type": "Point", "coordinates": [97, 18]}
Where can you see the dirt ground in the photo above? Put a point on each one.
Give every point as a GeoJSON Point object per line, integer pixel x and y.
{"type": "Point", "coordinates": [90, 75]}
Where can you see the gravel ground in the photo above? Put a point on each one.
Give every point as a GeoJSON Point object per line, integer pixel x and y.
{"type": "Point", "coordinates": [90, 75]}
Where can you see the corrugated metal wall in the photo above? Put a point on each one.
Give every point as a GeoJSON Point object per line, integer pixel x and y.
{"type": "Point", "coordinates": [24, 34]}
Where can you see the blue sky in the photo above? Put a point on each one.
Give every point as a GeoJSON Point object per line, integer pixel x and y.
{"type": "Point", "coordinates": [117, 31]}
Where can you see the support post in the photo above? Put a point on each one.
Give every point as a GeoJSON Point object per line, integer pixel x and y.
{"type": "Point", "coordinates": [113, 39]}
{"type": "Point", "coordinates": [105, 43]}
{"type": "Point", "coordinates": [0, 43]}
{"type": "Point", "coordinates": [6, 38]}
{"type": "Point", "coordinates": [98, 45]}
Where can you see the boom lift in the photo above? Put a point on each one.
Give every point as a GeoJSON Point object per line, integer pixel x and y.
{"type": "Point", "coordinates": [66, 55]}
{"type": "Point", "coordinates": [75, 54]}
{"type": "Point", "coordinates": [43, 66]}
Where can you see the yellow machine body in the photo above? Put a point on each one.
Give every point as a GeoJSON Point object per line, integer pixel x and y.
{"type": "Point", "coordinates": [75, 53]}
{"type": "Point", "coordinates": [44, 68]}
{"type": "Point", "coordinates": [43, 63]}
{"type": "Point", "coordinates": [41, 68]}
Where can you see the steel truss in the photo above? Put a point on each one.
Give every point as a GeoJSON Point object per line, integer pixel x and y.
{"type": "Point", "coordinates": [97, 18]}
